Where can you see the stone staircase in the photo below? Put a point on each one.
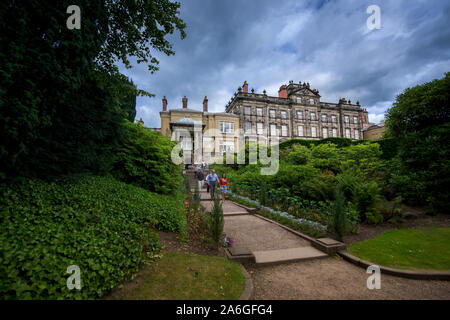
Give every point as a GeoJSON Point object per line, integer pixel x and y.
{"type": "Point", "coordinates": [193, 180]}
{"type": "Point", "coordinates": [267, 257]}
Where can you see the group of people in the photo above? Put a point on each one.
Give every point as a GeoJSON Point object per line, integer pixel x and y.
{"type": "Point", "coordinates": [212, 180]}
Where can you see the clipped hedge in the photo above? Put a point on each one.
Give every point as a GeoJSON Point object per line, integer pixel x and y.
{"type": "Point", "coordinates": [339, 142]}
{"type": "Point", "coordinates": [144, 160]}
{"type": "Point", "coordinates": [97, 223]}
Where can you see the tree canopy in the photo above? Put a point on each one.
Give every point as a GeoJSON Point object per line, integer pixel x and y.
{"type": "Point", "coordinates": [62, 99]}
{"type": "Point", "coordinates": [420, 122]}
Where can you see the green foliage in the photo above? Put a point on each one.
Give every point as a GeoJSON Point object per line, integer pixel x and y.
{"type": "Point", "coordinates": [62, 99]}
{"type": "Point", "coordinates": [263, 194]}
{"type": "Point", "coordinates": [388, 147]}
{"type": "Point", "coordinates": [420, 121]}
{"type": "Point", "coordinates": [300, 155]}
{"type": "Point", "coordinates": [339, 220]}
{"type": "Point", "coordinates": [196, 195]}
{"type": "Point", "coordinates": [100, 224]}
{"type": "Point", "coordinates": [339, 142]}
{"type": "Point", "coordinates": [144, 159]}
{"type": "Point", "coordinates": [361, 192]}
{"type": "Point", "coordinates": [216, 221]}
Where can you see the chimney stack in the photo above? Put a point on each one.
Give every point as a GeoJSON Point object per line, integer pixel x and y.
{"type": "Point", "coordinates": [164, 101]}
{"type": "Point", "coordinates": [245, 87]}
{"type": "Point", "coordinates": [342, 101]}
{"type": "Point", "coordinates": [205, 104]}
{"type": "Point", "coordinates": [184, 100]}
{"type": "Point", "coordinates": [282, 93]}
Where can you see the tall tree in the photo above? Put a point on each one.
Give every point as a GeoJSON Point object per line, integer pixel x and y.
{"type": "Point", "coordinates": [420, 121]}
{"type": "Point", "coordinates": [61, 106]}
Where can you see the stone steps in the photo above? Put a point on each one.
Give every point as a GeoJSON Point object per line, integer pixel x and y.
{"type": "Point", "coordinates": [287, 255]}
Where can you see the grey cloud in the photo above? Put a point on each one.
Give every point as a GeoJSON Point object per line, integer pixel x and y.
{"type": "Point", "coordinates": [325, 43]}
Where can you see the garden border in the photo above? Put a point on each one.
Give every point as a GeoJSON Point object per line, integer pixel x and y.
{"type": "Point", "coordinates": [410, 274]}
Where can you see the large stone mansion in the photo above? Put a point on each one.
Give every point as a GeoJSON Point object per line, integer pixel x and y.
{"type": "Point", "coordinates": [297, 112]}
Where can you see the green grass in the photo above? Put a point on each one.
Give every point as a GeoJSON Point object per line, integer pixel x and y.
{"type": "Point", "coordinates": [182, 276]}
{"type": "Point", "coordinates": [422, 248]}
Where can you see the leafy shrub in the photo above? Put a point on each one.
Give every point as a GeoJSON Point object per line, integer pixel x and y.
{"type": "Point", "coordinates": [339, 220]}
{"type": "Point", "coordinates": [388, 147]}
{"type": "Point", "coordinates": [420, 122]}
{"type": "Point", "coordinates": [98, 223]}
{"type": "Point", "coordinates": [144, 159]}
{"type": "Point", "coordinates": [300, 155]}
{"type": "Point", "coordinates": [340, 142]}
{"type": "Point", "coordinates": [374, 216]}
{"type": "Point", "coordinates": [216, 221]}
{"type": "Point", "coordinates": [361, 192]}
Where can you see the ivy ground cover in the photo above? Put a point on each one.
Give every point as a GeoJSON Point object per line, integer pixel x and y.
{"type": "Point", "coordinates": [99, 224]}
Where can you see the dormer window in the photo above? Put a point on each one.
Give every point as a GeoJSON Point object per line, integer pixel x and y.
{"type": "Point", "coordinates": [299, 100]}
{"type": "Point", "coordinates": [311, 101]}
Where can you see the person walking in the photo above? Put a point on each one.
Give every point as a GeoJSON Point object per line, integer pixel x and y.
{"type": "Point", "coordinates": [195, 170]}
{"type": "Point", "coordinates": [200, 177]}
{"type": "Point", "coordinates": [203, 165]}
{"type": "Point", "coordinates": [212, 181]}
{"type": "Point", "coordinates": [207, 183]}
{"type": "Point", "coordinates": [223, 184]}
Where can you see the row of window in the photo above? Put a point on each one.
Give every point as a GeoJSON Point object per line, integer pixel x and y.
{"type": "Point", "coordinates": [300, 132]}
{"type": "Point", "coordinates": [228, 127]}
{"type": "Point", "coordinates": [283, 115]}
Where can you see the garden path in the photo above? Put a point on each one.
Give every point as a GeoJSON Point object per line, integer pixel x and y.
{"type": "Point", "coordinates": [326, 278]}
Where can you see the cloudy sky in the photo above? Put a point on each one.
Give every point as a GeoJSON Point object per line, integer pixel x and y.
{"type": "Point", "coordinates": [326, 43]}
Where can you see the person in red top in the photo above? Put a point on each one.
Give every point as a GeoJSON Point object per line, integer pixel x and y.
{"type": "Point", "coordinates": [223, 184]}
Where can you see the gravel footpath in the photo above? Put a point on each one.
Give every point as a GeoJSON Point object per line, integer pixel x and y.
{"type": "Point", "coordinates": [256, 234]}
{"type": "Point", "coordinates": [334, 278]}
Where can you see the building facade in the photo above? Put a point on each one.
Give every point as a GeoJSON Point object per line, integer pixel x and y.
{"type": "Point", "coordinates": [373, 131]}
{"type": "Point", "coordinates": [297, 112]}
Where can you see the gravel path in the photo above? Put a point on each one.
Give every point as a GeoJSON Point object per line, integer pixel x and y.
{"type": "Point", "coordinates": [256, 234]}
{"type": "Point", "coordinates": [334, 278]}
{"type": "Point", "coordinates": [326, 278]}
{"type": "Point", "coordinates": [227, 207]}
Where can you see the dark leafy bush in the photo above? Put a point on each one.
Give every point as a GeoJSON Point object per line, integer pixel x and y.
{"type": "Point", "coordinates": [144, 159]}
{"type": "Point", "coordinates": [216, 221]}
{"type": "Point", "coordinates": [99, 224]}
{"type": "Point", "coordinates": [300, 155]}
{"type": "Point", "coordinates": [420, 122]}
{"type": "Point", "coordinates": [339, 220]}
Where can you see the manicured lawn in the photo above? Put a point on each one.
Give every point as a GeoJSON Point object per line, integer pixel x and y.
{"type": "Point", "coordinates": [422, 248]}
{"type": "Point", "coordinates": [182, 276]}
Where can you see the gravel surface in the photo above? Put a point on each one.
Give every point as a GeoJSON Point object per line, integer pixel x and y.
{"type": "Point", "coordinates": [257, 234]}
{"type": "Point", "coordinates": [334, 278]}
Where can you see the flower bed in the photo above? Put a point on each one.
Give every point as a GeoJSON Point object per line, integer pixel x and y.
{"type": "Point", "coordinates": [256, 204]}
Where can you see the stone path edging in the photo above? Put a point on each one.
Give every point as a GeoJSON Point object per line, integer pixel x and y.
{"type": "Point", "coordinates": [410, 274]}
{"type": "Point", "coordinates": [304, 236]}
{"type": "Point", "coordinates": [249, 209]}
{"type": "Point", "coordinates": [247, 293]}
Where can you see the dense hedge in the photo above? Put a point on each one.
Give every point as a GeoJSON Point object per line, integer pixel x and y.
{"type": "Point", "coordinates": [97, 223]}
{"type": "Point", "coordinates": [339, 142]}
{"type": "Point", "coordinates": [307, 178]}
{"type": "Point", "coordinates": [420, 122]}
{"type": "Point", "coordinates": [144, 159]}
{"type": "Point", "coordinates": [389, 146]}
